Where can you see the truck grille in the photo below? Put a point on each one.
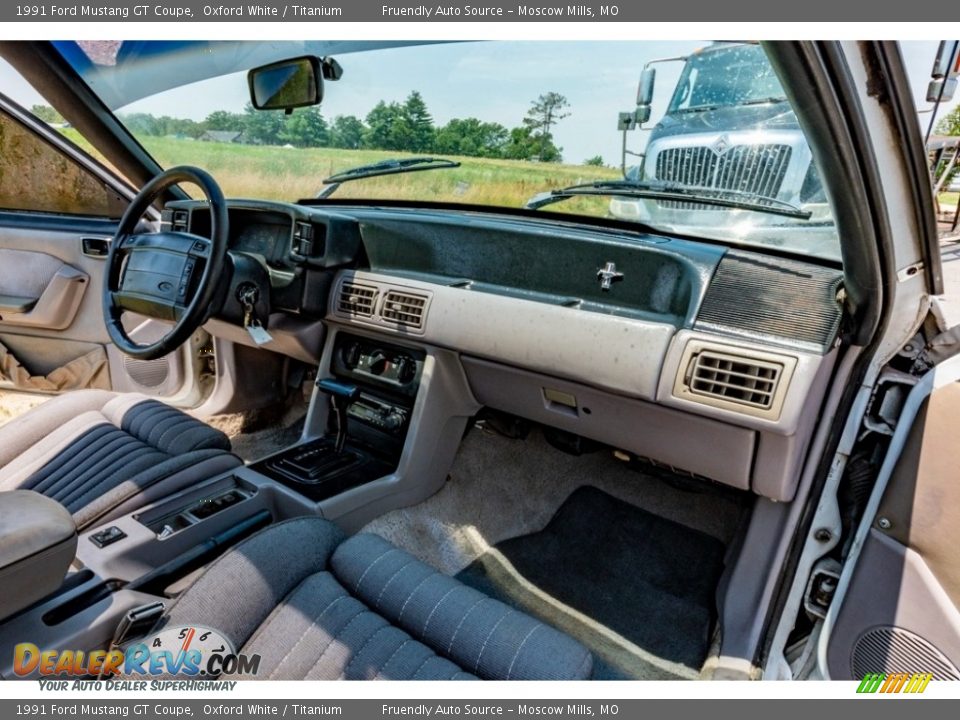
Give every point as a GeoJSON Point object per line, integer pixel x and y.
{"type": "Point", "coordinates": [754, 169]}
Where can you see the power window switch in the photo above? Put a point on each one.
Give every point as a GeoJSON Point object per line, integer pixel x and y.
{"type": "Point", "coordinates": [107, 537]}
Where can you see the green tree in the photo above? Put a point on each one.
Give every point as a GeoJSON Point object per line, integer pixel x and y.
{"type": "Point", "coordinates": [545, 112]}
{"type": "Point", "coordinates": [263, 126]}
{"type": "Point", "coordinates": [142, 124]}
{"type": "Point", "coordinates": [306, 128]}
{"type": "Point", "coordinates": [47, 114]}
{"type": "Point", "coordinates": [472, 137]}
{"type": "Point", "coordinates": [387, 127]}
{"type": "Point", "coordinates": [950, 123]}
{"type": "Point", "coordinates": [380, 121]}
{"type": "Point", "coordinates": [521, 144]}
{"type": "Point", "coordinates": [166, 125]}
{"type": "Point", "coordinates": [420, 122]}
{"type": "Point", "coordinates": [223, 120]}
{"type": "Point", "coordinates": [524, 144]}
{"type": "Point", "coordinates": [595, 161]}
{"type": "Point", "coordinates": [185, 127]}
{"type": "Point", "coordinates": [346, 132]}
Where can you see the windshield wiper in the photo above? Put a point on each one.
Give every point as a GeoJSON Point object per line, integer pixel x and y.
{"type": "Point", "coordinates": [718, 106]}
{"type": "Point", "coordinates": [772, 100]}
{"type": "Point", "coordinates": [672, 191]}
{"type": "Point", "coordinates": [384, 167]}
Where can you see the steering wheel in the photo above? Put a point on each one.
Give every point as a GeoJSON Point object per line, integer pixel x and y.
{"type": "Point", "coordinates": [166, 275]}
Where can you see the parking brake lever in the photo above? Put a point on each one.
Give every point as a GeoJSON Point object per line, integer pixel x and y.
{"type": "Point", "coordinates": [342, 396]}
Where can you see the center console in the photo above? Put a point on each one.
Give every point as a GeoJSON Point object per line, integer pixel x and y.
{"type": "Point", "coordinates": [372, 388]}
{"type": "Point", "coordinates": [372, 441]}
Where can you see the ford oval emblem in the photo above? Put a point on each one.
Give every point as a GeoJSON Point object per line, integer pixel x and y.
{"type": "Point", "coordinates": [165, 286]}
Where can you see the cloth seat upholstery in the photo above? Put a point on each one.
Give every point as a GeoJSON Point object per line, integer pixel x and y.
{"type": "Point", "coordinates": [317, 606]}
{"type": "Point", "coordinates": [102, 454]}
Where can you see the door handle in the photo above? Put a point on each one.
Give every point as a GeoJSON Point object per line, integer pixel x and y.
{"type": "Point", "coordinates": [96, 247]}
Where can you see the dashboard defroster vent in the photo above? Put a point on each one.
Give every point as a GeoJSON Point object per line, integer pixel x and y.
{"type": "Point", "coordinates": [357, 299]}
{"type": "Point", "coordinates": [766, 298]}
{"type": "Point", "coordinates": [745, 381]}
{"type": "Point", "coordinates": [403, 308]}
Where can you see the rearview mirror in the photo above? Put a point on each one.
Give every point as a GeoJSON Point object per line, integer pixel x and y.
{"type": "Point", "coordinates": [287, 84]}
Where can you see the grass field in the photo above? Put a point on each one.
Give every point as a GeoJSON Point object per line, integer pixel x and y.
{"type": "Point", "coordinates": [277, 173]}
{"type": "Point", "coordinates": [949, 198]}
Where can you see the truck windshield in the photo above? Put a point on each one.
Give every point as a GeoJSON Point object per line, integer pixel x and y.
{"type": "Point", "coordinates": [725, 76]}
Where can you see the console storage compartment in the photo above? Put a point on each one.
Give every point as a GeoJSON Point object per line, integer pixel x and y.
{"type": "Point", "coordinates": [317, 471]}
{"type": "Point", "coordinates": [38, 541]}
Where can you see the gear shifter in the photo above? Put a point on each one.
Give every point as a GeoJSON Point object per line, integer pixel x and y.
{"type": "Point", "coordinates": [342, 396]}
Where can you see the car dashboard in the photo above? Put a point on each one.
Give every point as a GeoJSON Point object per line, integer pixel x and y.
{"type": "Point", "coordinates": [689, 354]}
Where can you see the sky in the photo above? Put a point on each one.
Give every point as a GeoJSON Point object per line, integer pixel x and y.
{"type": "Point", "coordinates": [492, 81]}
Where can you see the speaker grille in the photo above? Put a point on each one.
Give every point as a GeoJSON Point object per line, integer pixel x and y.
{"type": "Point", "coordinates": [147, 373]}
{"type": "Point", "coordinates": [889, 649]}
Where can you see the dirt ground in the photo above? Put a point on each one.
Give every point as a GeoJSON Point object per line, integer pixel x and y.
{"type": "Point", "coordinates": [17, 403]}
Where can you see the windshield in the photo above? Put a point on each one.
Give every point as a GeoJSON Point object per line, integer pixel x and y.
{"type": "Point", "coordinates": [725, 76]}
{"type": "Point", "coordinates": [514, 118]}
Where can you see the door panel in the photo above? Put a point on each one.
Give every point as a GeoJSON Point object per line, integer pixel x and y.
{"type": "Point", "coordinates": [35, 252]}
{"type": "Point", "coordinates": [38, 290]}
{"type": "Point", "coordinates": [900, 611]}
{"type": "Point", "coordinates": [37, 248]}
{"type": "Point", "coordinates": [58, 342]}
{"type": "Point", "coordinates": [55, 205]}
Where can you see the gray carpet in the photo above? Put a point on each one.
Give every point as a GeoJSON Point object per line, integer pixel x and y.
{"type": "Point", "coordinates": [636, 589]}
{"type": "Point", "coordinates": [501, 488]}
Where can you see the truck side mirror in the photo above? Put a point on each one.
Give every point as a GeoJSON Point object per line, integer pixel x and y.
{"type": "Point", "coordinates": [941, 90]}
{"type": "Point", "coordinates": [946, 67]}
{"type": "Point", "coordinates": [645, 93]}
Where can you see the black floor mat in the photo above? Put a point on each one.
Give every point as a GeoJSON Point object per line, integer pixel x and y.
{"type": "Point", "coordinates": [627, 574]}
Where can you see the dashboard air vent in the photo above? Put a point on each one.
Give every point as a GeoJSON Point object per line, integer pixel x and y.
{"type": "Point", "coordinates": [357, 299]}
{"type": "Point", "coordinates": [741, 380]}
{"type": "Point", "coordinates": [404, 308]}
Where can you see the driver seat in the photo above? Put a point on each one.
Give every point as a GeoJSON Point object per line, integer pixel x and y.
{"type": "Point", "coordinates": [103, 454]}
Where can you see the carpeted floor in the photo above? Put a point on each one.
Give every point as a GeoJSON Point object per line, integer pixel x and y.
{"type": "Point", "coordinates": [500, 488]}
{"type": "Point", "coordinates": [636, 589]}
{"type": "Point", "coordinates": [631, 571]}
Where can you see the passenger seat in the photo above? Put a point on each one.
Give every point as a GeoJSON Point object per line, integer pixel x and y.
{"type": "Point", "coordinates": [317, 606]}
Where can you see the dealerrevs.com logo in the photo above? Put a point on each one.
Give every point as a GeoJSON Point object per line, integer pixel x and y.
{"type": "Point", "coordinates": [194, 651]}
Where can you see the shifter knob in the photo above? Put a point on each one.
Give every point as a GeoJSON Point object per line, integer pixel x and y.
{"type": "Point", "coordinates": [338, 389]}
{"type": "Point", "coordinates": [342, 396]}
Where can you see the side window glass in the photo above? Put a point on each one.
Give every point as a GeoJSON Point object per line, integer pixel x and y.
{"type": "Point", "coordinates": [37, 177]}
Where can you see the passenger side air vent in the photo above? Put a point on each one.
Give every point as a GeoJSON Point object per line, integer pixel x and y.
{"type": "Point", "coordinates": [734, 379]}
{"type": "Point", "coordinates": [740, 380]}
{"type": "Point", "coordinates": [404, 308]}
{"type": "Point", "coordinates": [357, 299]}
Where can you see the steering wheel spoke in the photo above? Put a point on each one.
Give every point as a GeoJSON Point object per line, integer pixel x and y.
{"type": "Point", "coordinates": [120, 243]}
{"type": "Point", "coordinates": [167, 275]}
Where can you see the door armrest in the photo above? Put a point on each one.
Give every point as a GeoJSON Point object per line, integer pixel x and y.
{"type": "Point", "coordinates": [14, 305]}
